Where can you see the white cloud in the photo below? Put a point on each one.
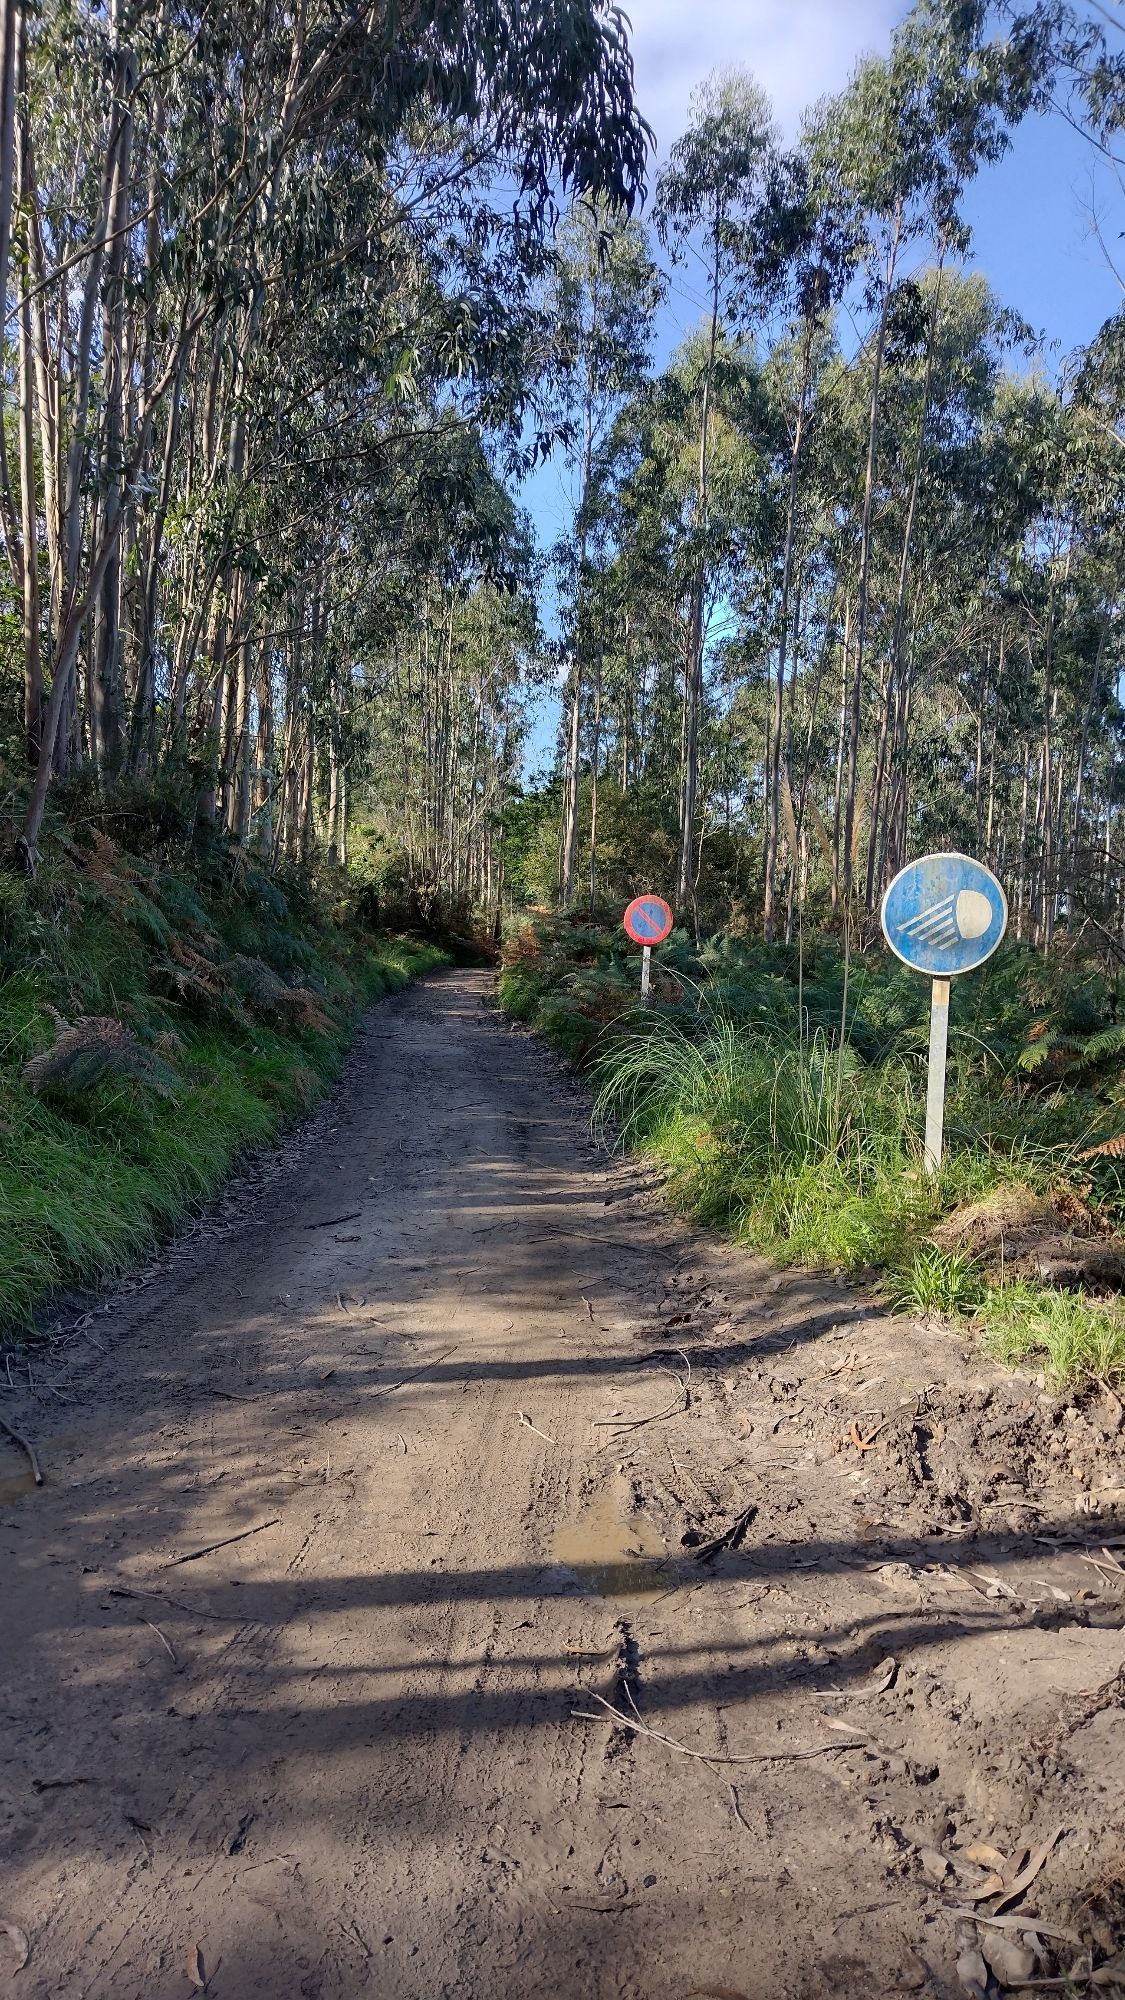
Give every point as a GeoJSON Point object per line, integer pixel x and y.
{"type": "Point", "coordinates": [797, 50]}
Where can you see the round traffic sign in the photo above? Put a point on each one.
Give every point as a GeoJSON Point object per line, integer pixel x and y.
{"type": "Point", "coordinates": [648, 920]}
{"type": "Point", "coordinates": [944, 914]}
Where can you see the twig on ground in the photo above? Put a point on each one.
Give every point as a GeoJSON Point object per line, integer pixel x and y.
{"type": "Point", "coordinates": [191, 1610]}
{"type": "Point", "coordinates": [330, 1221]}
{"type": "Point", "coordinates": [525, 1420]}
{"type": "Point", "coordinates": [164, 1642]}
{"type": "Point", "coordinates": [637, 1244]}
{"type": "Point", "coordinates": [711, 1756]}
{"type": "Point", "coordinates": [412, 1374]}
{"type": "Point", "coordinates": [195, 1554]}
{"type": "Point", "coordinates": [620, 1425]}
{"type": "Point", "coordinates": [1024, 1922]}
{"type": "Point", "coordinates": [20, 1439]}
{"type": "Point", "coordinates": [729, 1539]}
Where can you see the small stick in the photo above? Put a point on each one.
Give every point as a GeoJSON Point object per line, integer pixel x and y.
{"type": "Point", "coordinates": [731, 1537]}
{"type": "Point", "coordinates": [27, 1445]}
{"type": "Point", "coordinates": [712, 1756]}
{"type": "Point", "coordinates": [622, 1424]}
{"type": "Point", "coordinates": [330, 1221]}
{"type": "Point", "coordinates": [192, 1610]}
{"type": "Point", "coordinates": [224, 1544]}
{"type": "Point", "coordinates": [376, 1393]}
{"type": "Point", "coordinates": [164, 1642]}
{"type": "Point", "coordinates": [528, 1425]}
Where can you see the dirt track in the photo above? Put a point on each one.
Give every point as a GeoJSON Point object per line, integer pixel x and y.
{"type": "Point", "coordinates": [414, 1344]}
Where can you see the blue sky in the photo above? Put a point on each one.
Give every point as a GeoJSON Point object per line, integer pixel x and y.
{"type": "Point", "coordinates": [1030, 216]}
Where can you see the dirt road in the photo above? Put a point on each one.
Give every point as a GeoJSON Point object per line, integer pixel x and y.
{"type": "Point", "coordinates": [484, 1415]}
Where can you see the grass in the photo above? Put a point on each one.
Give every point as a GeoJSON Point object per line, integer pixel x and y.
{"type": "Point", "coordinates": [217, 1001]}
{"type": "Point", "coordinates": [947, 1282]}
{"type": "Point", "coordinates": [1076, 1340]}
{"type": "Point", "coordinates": [806, 1142]}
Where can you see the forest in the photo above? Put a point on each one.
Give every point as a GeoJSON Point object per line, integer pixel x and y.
{"type": "Point", "coordinates": [296, 304]}
{"type": "Point", "coordinates": [526, 1469]}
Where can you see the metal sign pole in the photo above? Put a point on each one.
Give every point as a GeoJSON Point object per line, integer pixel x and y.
{"type": "Point", "coordinates": [935, 1082]}
{"type": "Point", "coordinates": [646, 973]}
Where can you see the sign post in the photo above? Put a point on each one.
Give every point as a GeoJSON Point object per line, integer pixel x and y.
{"type": "Point", "coordinates": [648, 921]}
{"type": "Point", "coordinates": [943, 915]}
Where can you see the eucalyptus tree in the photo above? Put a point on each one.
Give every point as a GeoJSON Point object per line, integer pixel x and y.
{"type": "Point", "coordinates": [601, 297]}
{"type": "Point", "coordinates": [894, 151]}
{"type": "Point", "coordinates": [707, 199]}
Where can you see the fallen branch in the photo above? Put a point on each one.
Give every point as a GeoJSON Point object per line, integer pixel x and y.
{"type": "Point", "coordinates": [224, 1544]}
{"type": "Point", "coordinates": [711, 1756]}
{"type": "Point", "coordinates": [27, 1446]}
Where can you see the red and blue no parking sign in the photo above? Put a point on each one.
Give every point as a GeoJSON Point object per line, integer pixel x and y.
{"type": "Point", "coordinates": [648, 920]}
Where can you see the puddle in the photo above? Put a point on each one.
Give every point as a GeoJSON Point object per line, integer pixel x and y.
{"type": "Point", "coordinates": [614, 1553]}
{"type": "Point", "coordinates": [15, 1483]}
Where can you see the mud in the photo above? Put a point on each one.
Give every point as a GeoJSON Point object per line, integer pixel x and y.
{"type": "Point", "coordinates": [507, 1446]}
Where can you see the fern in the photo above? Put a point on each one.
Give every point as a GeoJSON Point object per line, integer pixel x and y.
{"type": "Point", "coordinates": [260, 988]}
{"type": "Point", "coordinates": [97, 1049]}
{"type": "Point", "coordinates": [1107, 1042]}
{"type": "Point", "coordinates": [1109, 1149]}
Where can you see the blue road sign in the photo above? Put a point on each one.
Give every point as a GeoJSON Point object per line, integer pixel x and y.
{"type": "Point", "coordinates": [944, 914]}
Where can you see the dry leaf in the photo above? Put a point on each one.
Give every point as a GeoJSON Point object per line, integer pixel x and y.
{"type": "Point", "coordinates": [1027, 1875]}
{"type": "Point", "coordinates": [21, 1941]}
{"type": "Point", "coordinates": [1060, 1596]}
{"type": "Point", "coordinates": [934, 1864]}
{"type": "Point", "coordinates": [195, 1969]}
{"type": "Point", "coordinates": [990, 1887]}
{"type": "Point", "coordinates": [986, 1856]}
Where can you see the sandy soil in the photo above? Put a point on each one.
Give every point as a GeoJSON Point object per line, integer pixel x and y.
{"type": "Point", "coordinates": [505, 1441]}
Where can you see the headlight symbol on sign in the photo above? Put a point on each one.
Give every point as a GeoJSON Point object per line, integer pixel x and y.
{"type": "Point", "coordinates": [944, 914]}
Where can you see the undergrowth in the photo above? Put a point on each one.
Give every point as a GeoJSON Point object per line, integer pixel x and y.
{"type": "Point", "coordinates": [164, 1009]}
{"type": "Point", "coordinates": [791, 1115]}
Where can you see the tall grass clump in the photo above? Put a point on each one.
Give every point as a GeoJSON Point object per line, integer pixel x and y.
{"type": "Point", "coordinates": [802, 1148]}
{"type": "Point", "coordinates": [1077, 1340]}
